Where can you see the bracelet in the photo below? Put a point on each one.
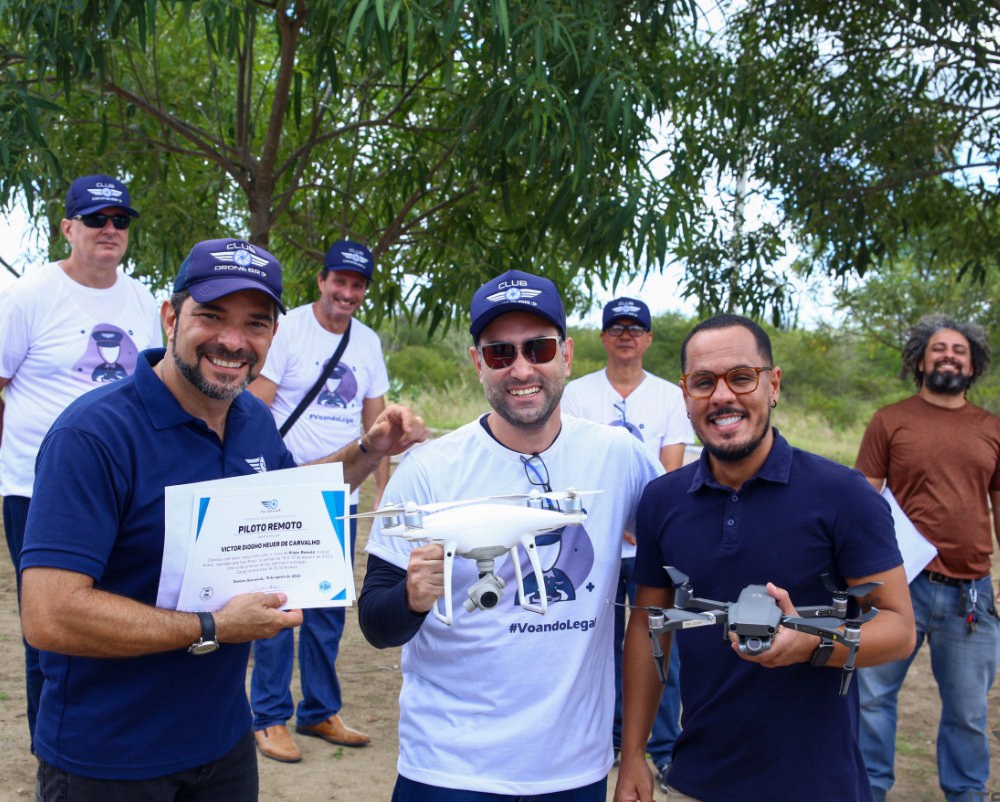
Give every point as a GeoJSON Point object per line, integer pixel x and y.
{"type": "Point", "coordinates": [361, 446]}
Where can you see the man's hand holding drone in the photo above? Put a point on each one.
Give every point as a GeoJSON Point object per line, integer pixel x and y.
{"type": "Point", "coordinates": [425, 577]}
{"type": "Point", "coordinates": [788, 646]}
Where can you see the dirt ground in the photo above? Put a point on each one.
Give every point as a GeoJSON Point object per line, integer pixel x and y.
{"type": "Point", "coordinates": [371, 681]}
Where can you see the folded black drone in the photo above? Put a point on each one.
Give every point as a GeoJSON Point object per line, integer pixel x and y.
{"type": "Point", "coordinates": [755, 617]}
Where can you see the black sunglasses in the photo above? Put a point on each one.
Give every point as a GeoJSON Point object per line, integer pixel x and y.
{"type": "Point", "coordinates": [100, 220]}
{"type": "Point", "coordinates": [538, 351]}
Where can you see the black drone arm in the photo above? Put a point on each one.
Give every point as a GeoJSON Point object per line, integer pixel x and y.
{"type": "Point", "coordinates": [829, 628]}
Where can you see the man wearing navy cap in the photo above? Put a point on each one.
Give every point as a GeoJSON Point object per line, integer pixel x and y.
{"type": "Point", "coordinates": [351, 397]}
{"type": "Point", "coordinates": [141, 702]}
{"type": "Point", "coordinates": [66, 328]}
{"type": "Point", "coordinates": [652, 410]}
{"type": "Point", "coordinates": [505, 701]}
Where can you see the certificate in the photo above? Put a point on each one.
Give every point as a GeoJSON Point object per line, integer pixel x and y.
{"type": "Point", "coordinates": [278, 531]}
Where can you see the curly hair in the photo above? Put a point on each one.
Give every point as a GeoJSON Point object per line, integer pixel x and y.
{"type": "Point", "coordinates": [920, 335]}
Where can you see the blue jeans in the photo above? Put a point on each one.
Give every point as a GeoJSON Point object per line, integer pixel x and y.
{"type": "Point", "coordinates": [412, 791]}
{"type": "Point", "coordinates": [319, 643]}
{"type": "Point", "coordinates": [232, 778]}
{"type": "Point", "coordinates": [15, 517]}
{"type": "Point", "coordinates": [964, 666]}
{"type": "Point", "coordinates": [666, 725]}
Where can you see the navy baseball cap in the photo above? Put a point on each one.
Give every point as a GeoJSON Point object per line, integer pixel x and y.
{"type": "Point", "coordinates": [95, 192]}
{"type": "Point", "coordinates": [347, 255]}
{"type": "Point", "coordinates": [516, 291]}
{"type": "Point", "coordinates": [627, 307]}
{"type": "Point", "coordinates": [218, 267]}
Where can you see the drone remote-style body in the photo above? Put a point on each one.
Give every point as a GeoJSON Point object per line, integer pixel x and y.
{"type": "Point", "coordinates": [483, 529]}
{"type": "Point", "coordinates": [755, 617]}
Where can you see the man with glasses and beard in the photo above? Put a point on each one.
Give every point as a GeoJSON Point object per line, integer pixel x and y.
{"type": "Point", "coordinates": [506, 703]}
{"type": "Point", "coordinates": [141, 702]}
{"type": "Point", "coordinates": [939, 455]}
{"type": "Point", "coordinates": [66, 328]}
{"type": "Point", "coordinates": [755, 510]}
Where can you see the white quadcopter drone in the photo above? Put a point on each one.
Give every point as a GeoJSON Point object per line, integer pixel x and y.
{"type": "Point", "coordinates": [482, 529]}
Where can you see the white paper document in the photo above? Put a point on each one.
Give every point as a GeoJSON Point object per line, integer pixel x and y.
{"type": "Point", "coordinates": [917, 551]}
{"type": "Point", "coordinates": [274, 531]}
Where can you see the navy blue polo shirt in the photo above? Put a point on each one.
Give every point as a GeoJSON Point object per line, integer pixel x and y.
{"type": "Point", "coordinates": [748, 732]}
{"type": "Point", "coordinates": [98, 510]}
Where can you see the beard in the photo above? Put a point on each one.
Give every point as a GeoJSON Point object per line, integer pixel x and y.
{"type": "Point", "coordinates": [496, 395]}
{"type": "Point", "coordinates": [735, 452]}
{"type": "Point", "coordinates": [947, 383]}
{"type": "Point", "coordinates": [229, 388]}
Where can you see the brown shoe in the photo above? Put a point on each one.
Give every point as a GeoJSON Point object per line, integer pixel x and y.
{"type": "Point", "coordinates": [335, 731]}
{"type": "Point", "coordinates": [276, 743]}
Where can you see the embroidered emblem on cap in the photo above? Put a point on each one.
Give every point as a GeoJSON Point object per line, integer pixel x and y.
{"type": "Point", "coordinates": [240, 257]}
{"type": "Point", "coordinates": [512, 294]}
{"type": "Point", "coordinates": [625, 308]}
{"type": "Point", "coordinates": [104, 193]}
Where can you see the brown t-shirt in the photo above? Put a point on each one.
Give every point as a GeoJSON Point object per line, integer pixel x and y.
{"type": "Point", "coordinates": [940, 464]}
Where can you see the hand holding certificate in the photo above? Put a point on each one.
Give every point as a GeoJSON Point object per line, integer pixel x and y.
{"type": "Point", "coordinates": [277, 531]}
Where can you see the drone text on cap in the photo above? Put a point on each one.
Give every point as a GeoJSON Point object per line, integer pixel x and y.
{"type": "Point", "coordinates": [627, 307]}
{"type": "Point", "coordinates": [91, 193]}
{"type": "Point", "coordinates": [218, 267]}
{"type": "Point", "coordinates": [516, 291]}
{"type": "Point", "coordinates": [347, 255]}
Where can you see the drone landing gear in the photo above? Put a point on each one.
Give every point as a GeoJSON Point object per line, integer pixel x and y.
{"type": "Point", "coordinates": [487, 591]}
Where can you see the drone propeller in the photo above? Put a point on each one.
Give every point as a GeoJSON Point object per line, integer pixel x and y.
{"type": "Point", "coordinates": [437, 506]}
{"type": "Point", "coordinates": [677, 576]}
{"type": "Point", "coordinates": [817, 623]}
{"type": "Point", "coordinates": [857, 591]}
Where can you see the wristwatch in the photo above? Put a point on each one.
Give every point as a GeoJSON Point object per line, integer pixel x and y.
{"type": "Point", "coordinates": [207, 642]}
{"type": "Point", "coordinates": [822, 653]}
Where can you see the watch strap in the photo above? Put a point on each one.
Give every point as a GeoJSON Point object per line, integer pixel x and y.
{"type": "Point", "coordinates": [207, 643]}
{"type": "Point", "coordinates": [821, 656]}
{"type": "Point", "coordinates": [207, 625]}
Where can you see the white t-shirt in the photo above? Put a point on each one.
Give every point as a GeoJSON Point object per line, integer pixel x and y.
{"type": "Point", "coordinates": [505, 700]}
{"type": "Point", "coordinates": [59, 339]}
{"type": "Point", "coordinates": [654, 412]}
{"type": "Point", "coordinates": [299, 351]}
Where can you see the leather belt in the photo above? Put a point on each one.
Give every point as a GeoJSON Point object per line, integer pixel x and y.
{"type": "Point", "coordinates": [942, 579]}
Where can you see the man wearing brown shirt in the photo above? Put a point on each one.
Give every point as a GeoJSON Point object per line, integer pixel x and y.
{"type": "Point", "coordinates": [940, 457]}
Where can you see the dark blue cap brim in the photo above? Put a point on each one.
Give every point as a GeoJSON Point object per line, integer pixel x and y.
{"type": "Point", "coordinates": [96, 207]}
{"type": "Point", "coordinates": [213, 289]}
{"type": "Point", "coordinates": [494, 312]}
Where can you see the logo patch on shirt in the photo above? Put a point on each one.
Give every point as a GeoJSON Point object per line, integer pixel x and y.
{"type": "Point", "coordinates": [259, 464]}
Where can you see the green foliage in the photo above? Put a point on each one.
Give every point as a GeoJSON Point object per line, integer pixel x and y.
{"type": "Point", "coordinates": [870, 128]}
{"type": "Point", "coordinates": [417, 367]}
{"type": "Point", "coordinates": [454, 138]}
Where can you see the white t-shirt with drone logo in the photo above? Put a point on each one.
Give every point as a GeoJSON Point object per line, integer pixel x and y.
{"type": "Point", "coordinates": [58, 340]}
{"type": "Point", "coordinates": [299, 351]}
{"type": "Point", "coordinates": [505, 700]}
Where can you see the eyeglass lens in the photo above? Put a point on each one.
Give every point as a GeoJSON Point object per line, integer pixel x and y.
{"type": "Point", "coordinates": [538, 351]}
{"type": "Point", "coordinates": [701, 383]}
{"type": "Point", "coordinates": [537, 473]}
{"type": "Point", "coordinates": [617, 330]}
{"type": "Point", "coordinates": [99, 220]}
